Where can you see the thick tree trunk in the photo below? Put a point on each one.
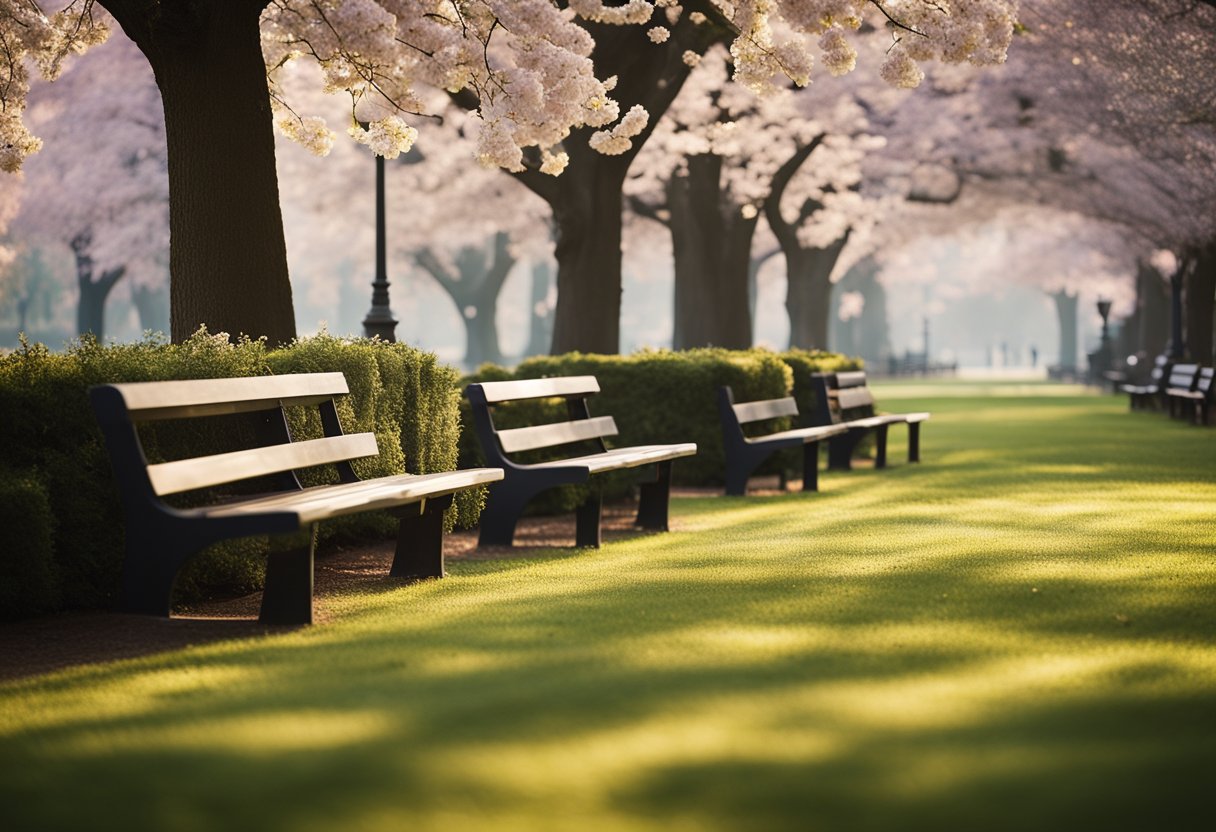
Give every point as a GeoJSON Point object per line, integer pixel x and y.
{"type": "Point", "coordinates": [869, 331]}
{"type": "Point", "coordinates": [1199, 299]}
{"type": "Point", "coordinates": [808, 298]}
{"type": "Point", "coordinates": [152, 304]}
{"type": "Point", "coordinates": [1066, 312]}
{"type": "Point", "coordinates": [228, 258]}
{"type": "Point", "coordinates": [711, 243]}
{"type": "Point", "coordinates": [1152, 311]}
{"type": "Point", "coordinates": [587, 220]}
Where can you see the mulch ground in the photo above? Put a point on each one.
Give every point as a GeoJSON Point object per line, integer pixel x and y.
{"type": "Point", "coordinates": [40, 645]}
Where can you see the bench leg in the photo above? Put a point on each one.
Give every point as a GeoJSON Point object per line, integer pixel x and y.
{"type": "Point", "coordinates": [587, 522]}
{"type": "Point", "coordinates": [154, 555]}
{"type": "Point", "coordinates": [655, 497]}
{"type": "Point", "coordinates": [810, 466]}
{"type": "Point", "coordinates": [501, 514]}
{"type": "Point", "coordinates": [840, 451]}
{"type": "Point", "coordinates": [287, 598]}
{"type": "Point", "coordinates": [420, 541]}
{"type": "Point", "coordinates": [880, 446]}
{"type": "Point", "coordinates": [914, 442]}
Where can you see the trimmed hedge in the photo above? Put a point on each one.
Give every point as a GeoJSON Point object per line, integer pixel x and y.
{"type": "Point", "coordinates": [29, 580]}
{"type": "Point", "coordinates": [403, 395]}
{"type": "Point", "coordinates": [661, 396]}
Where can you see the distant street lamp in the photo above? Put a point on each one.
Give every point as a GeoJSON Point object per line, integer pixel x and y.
{"type": "Point", "coordinates": [1104, 311]}
{"type": "Point", "coordinates": [379, 320]}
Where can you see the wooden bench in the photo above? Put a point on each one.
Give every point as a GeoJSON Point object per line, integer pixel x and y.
{"type": "Point", "coordinates": [845, 399]}
{"type": "Point", "coordinates": [1143, 395]}
{"type": "Point", "coordinates": [523, 481]}
{"type": "Point", "coordinates": [160, 537]}
{"type": "Point", "coordinates": [745, 453]}
{"type": "Point", "coordinates": [1190, 386]}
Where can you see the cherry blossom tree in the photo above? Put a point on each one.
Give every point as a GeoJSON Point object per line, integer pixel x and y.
{"type": "Point", "coordinates": [527, 64]}
{"type": "Point", "coordinates": [102, 189]}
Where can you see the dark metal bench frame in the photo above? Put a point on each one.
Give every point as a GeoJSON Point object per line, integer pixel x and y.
{"type": "Point", "coordinates": [160, 538]}
{"type": "Point", "coordinates": [838, 394]}
{"type": "Point", "coordinates": [744, 454]}
{"type": "Point", "coordinates": [522, 482]}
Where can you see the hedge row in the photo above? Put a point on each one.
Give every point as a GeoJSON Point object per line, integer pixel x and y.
{"type": "Point", "coordinates": [61, 490]}
{"type": "Point", "coordinates": [663, 396]}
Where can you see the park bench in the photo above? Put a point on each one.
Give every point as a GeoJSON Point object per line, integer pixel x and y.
{"type": "Point", "coordinates": [161, 537]}
{"type": "Point", "coordinates": [524, 480]}
{"type": "Point", "coordinates": [845, 399]}
{"type": "Point", "coordinates": [745, 453]}
{"type": "Point", "coordinates": [1190, 386]}
{"type": "Point", "coordinates": [1143, 395]}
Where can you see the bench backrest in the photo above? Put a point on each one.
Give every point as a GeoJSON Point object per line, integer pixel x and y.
{"type": "Point", "coordinates": [1183, 376]}
{"type": "Point", "coordinates": [581, 426]}
{"type": "Point", "coordinates": [1203, 381]}
{"type": "Point", "coordinates": [119, 407]}
{"type": "Point", "coordinates": [841, 396]}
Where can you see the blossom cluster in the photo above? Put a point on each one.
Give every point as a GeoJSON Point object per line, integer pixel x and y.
{"type": "Point", "coordinates": [526, 62]}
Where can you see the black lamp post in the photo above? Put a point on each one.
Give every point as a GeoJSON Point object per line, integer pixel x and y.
{"type": "Point", "coordinates": [1104, 311]}
{"type": "Point", "coordinates": [379, 320]}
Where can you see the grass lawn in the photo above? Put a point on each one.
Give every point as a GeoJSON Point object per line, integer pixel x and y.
{"type": "Point", "coordinates": [1018, 633]}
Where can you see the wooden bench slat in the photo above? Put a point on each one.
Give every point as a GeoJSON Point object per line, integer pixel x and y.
{"type": "Point", "coordinates": [813, 434]}
{"type": "Point", "coordinates": [852, 378]}
{"type": "Point", "coordinates": [623, 457]}
{"type": "Point", "coordinates": [539, 388]}
{"type": "Point", "coordinates": [215, 396]}
{"type": "Point", "coordinates": [558, 433]}
{"type": "Point", "coordinates": [328, 501]}
{"type": "Point", "coordinates": [851, 397]}
{"type": "Point", "coordinates": [217, 469]}
{"type": "Point", "coordinates": [767, 409]}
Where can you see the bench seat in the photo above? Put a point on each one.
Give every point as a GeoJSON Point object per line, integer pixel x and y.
{"type": "Point", "coordinates": [618, 458]}
{"type": "Point", "coordinates": [325, 502]}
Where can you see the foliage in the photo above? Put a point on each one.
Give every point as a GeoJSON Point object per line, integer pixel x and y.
{"type": "Point", "coordinates": [28, 576]}
{"type": "Point", "coordinates": [47, 427]}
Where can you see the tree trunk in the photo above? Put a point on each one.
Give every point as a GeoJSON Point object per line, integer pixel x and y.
{"type": "Point", "coordinates": [808, 298]}
{"type": "Point", "coordinates": [1066, 312]}
{"type": "Point", "coordinates": [1199, 299]}
{"type": "Point", "coordinates": [711, 244]}
{"type": "Point", "coordinates": [475, 290]}
{"type": "Point", "coordinates": [228, 258]}
{"type": "Point", "coordinates": [1152, 311]}
{"type": "Point", "coordinates": [152, 304]}
{"type": "Point", "coordinates": [91, 307]}
{"type": "Point", "coordinates": [587, 200]}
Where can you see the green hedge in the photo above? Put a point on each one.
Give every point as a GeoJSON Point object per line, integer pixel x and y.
{"type": "Point", "coordinates": [401, 394]}
{"type": "Point", "coordinates": [662, 396]}
{"type": "Point", "coordinates": [29, 580]}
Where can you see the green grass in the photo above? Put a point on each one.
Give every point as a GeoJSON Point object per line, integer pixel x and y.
{"type": "Point", "coordinates": [1019, 633]}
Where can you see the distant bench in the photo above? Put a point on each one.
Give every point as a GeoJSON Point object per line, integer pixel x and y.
{"type": "Point", "coordinates": [845, 399]}
{"type": "Point", "coordinates": [745, 453]}
{"type": "Point", "coordinates": [523, 481]}
{"type": "Point", "coordinates": [1190, 387]}
{"type": "Point", "coordinates": [1142, 395]}
{"type": "Point", "coordinates": [161, 538]}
